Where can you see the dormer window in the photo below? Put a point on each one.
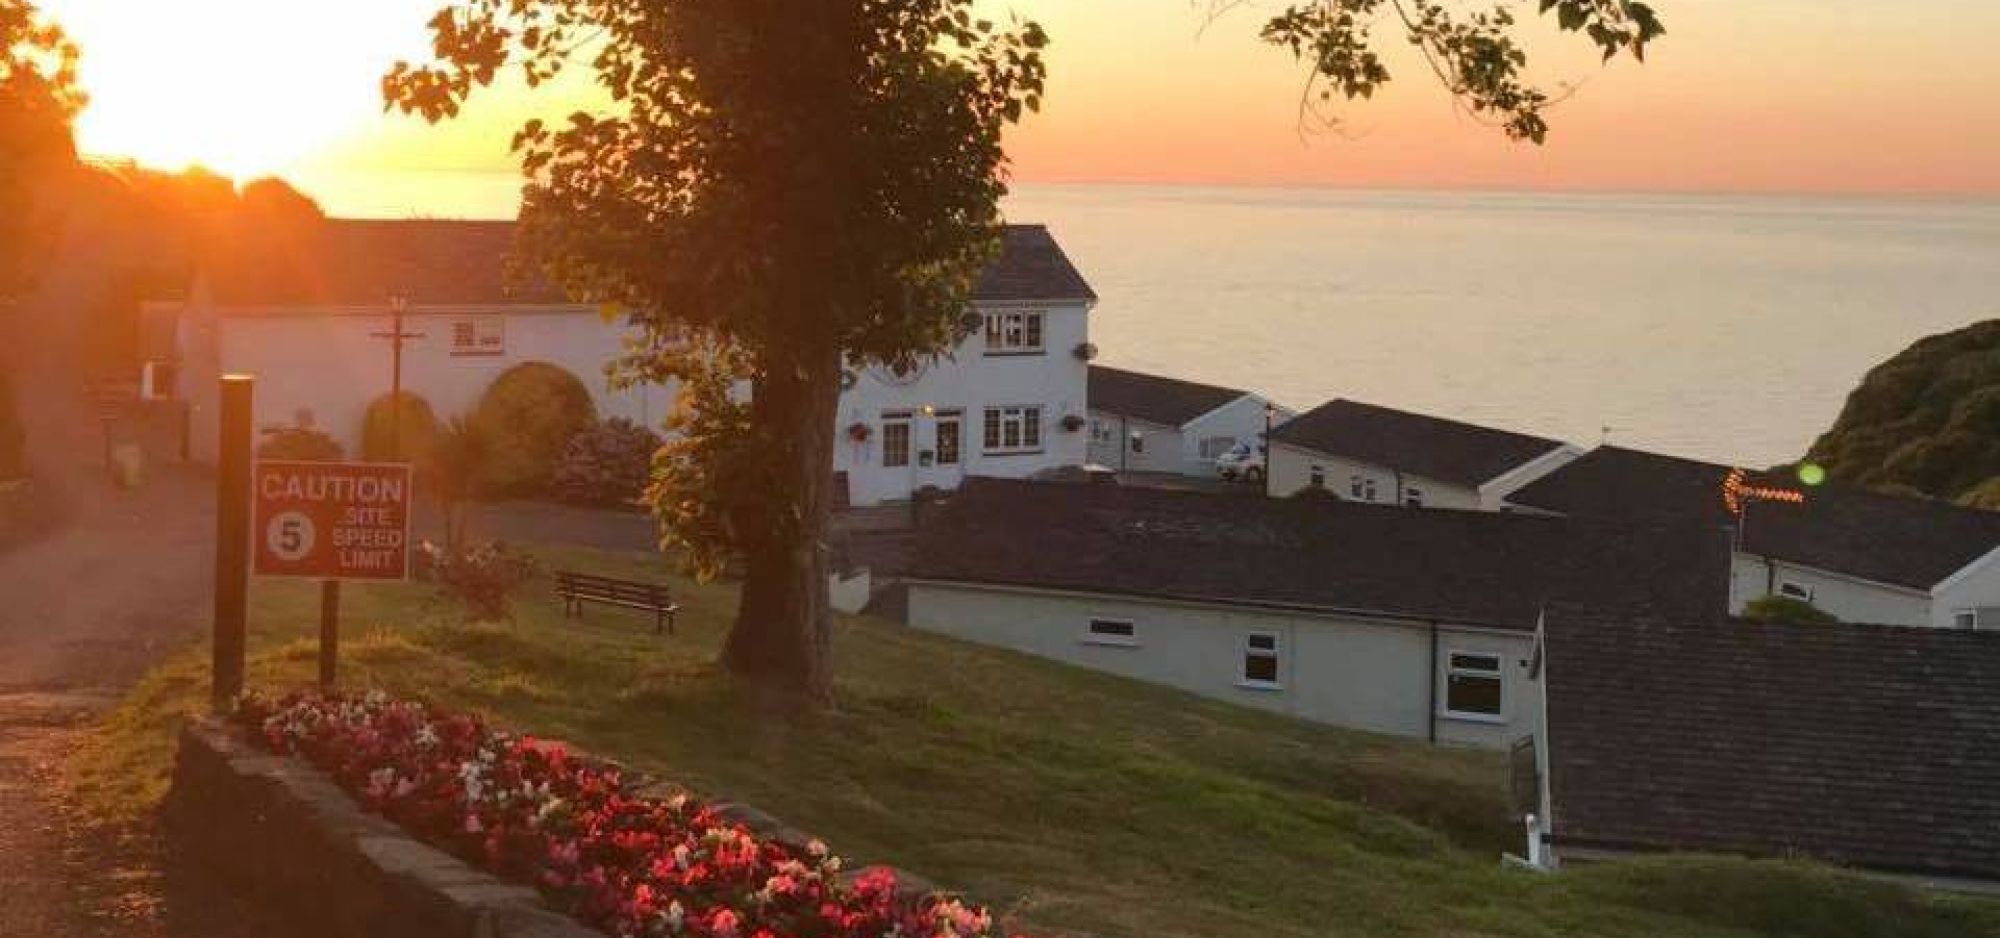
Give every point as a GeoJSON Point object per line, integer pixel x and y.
{"type": "Point", "coordinates": [1015, 333]}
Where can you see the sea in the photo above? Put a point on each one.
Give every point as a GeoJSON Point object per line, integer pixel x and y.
{"type": "Point", "coordinates": [1720, 327]}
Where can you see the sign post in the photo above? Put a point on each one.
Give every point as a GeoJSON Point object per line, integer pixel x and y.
{"type": "Point", "coordinates": [232, 539]}
{"type": "Point", "coordinates": [331, 521]}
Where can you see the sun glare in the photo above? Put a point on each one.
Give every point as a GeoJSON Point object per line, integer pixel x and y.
{"type": "Point", "coordinates": [243, 87]}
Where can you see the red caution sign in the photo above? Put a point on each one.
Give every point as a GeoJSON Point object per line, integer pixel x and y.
{"type": "Point", "coordinates": [330, 521]}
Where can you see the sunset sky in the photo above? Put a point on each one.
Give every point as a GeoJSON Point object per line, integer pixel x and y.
{"type": "Point", "coordinates": [1860, 96]}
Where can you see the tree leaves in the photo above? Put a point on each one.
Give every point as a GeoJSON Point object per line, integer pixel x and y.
{"type": "Point", "coordinates": [1474, 54]}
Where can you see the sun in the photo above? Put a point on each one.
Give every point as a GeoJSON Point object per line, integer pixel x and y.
{"type": "Point", "coordinates": [242, 87]}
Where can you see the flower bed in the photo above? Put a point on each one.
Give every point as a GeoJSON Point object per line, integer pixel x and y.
{"type": "Point", "coordinates": [530, 811]}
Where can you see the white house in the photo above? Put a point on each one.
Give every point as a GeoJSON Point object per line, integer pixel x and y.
{"type": "Point", "coordinates": [1009, 401]}
{"type": "Point", "coordinates": [1861, 556]}
{"type": "Point", "coordinates": [314, 329]}
{"type": "Point", "coordinates": [1861, 745]}
{"type": "Point", "coordinates": [1412, 623]}
{"type": "Point", "coordinates": [1362, 452]}
{"type": "Point", "coordinates": [1151, 423]}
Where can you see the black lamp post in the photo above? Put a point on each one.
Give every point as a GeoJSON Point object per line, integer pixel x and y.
{"type": "Point", "coordinates": [1270, 412]}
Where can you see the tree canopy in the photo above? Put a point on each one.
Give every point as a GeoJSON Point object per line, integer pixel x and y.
{"type": "Point", "coordinates": [1925, 422]}
{"type": "Point", "coordinates": [38, 100]}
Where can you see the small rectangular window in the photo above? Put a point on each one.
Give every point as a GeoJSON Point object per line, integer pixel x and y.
{"type": "Point", "coordinates": [1473, 685]}
{"type": "Point", "coordinates": [479, 335]}
{"type": "Point", "coordinates": [1018, 333]}
{"type": "Point", "coordinates": [1101, 431]}
{"type": "Point", "coordinates": [1111, 632]}
{"type": "Point", "coordinates": [1965, 619]}
{"type": "Point", "coordinates": [1260, 660]}
{"type": "Point", "coordinates": [1013, 430]}
{"type": "Point", "coordinates": [1317, 477]}
{"type": "Point", "coordinates": [1138, 442]}
{"type": "Point", "coordinates": [1795, 590]}
{"type": "Point", "coordinates": [1413, 497]}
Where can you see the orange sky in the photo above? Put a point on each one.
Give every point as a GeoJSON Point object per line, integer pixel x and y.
{"type": "Point", "coordinates": [1756, 95]}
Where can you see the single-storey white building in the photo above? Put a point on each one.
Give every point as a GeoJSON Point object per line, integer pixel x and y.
{"type": "Point", "coordinates": [1365, 453]}
{"type": "Point", "coordinates": [1151, 423]}
{"type": "Point", "coordinates": [1875, 747]}
{"type": "Point", "coordinates": [1412, 623]}
{"type": "Point", "coordinates": [1861, 556]}
{"type": "Point", "coordinates": [313, 322]}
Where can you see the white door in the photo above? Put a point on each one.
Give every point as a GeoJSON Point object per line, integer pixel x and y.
{"type": "Point", "coordinates": [942, 463]}
{"type": "Point", "coordinates": [897, 455]}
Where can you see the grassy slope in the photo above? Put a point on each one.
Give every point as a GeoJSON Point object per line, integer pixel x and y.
{"type": "Point", "coordinates": [1079, 802]}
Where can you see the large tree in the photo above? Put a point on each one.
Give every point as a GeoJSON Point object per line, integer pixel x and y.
{"type": "Point", "coordinates": [38, 100]}
{"type": "Point", "coordinates": [781, 189]}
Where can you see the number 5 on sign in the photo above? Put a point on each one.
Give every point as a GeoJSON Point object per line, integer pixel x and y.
{"type": "Point", "coordinates": [331, 521]}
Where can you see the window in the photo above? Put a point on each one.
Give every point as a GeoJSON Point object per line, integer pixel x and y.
{"type": "Point", "coordinates": [1317, 477]}
{"type": "Point", "coordinates": [1101, 431]}
{"type": "Point", "coordinates": [948, 437]}
{"type": "Point", "coordinates": [895, 440]}
{"type": "Point", "coordinates": [1260, 660]}
{"type": "Point", "coordinates": [1472, 686]}
{"type": "Point", "coordinates": [1212, 447]}
{"type": "Point", "coordinates": [1361, 487]}
{"type": "Point", "coordinates": [1016, 333]}
{"type": "Point", "coordinates": [479, 335]}
{"type": "Point", "coordinates": [1138, 442]}
{"type": "Point", "coordinates": [1792, 589]}
{"type": "Point", "coordinates": [1013, 430]}
{"type": "Point", "coordinates": [1965, 619]}
{"type": "Point", "coordinates": [1413, 497]}
{"type": "Point", "coordinates": [1111, 632]}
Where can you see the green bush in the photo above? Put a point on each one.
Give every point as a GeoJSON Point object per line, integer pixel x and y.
{"type": "Point", "coordinates": [528, 417]}
{"type": "Point", "coordinates": [379, 430]}
{"type": "Point", "coordinates": [608, 464]}
{"type": "Point", "coordinates": [1788, 610]}
{"type": "Point", "coordinates": [13, 438]}
{"type": "Point", "coordinates": [300, 443]}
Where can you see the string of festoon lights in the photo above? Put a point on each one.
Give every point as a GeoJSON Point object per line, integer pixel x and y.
{"type": "Point", "coordinates": [1738, 492]}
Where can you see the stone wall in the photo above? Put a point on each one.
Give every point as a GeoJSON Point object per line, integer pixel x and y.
{"type": "Point", "coordinates": [281, 831]}
{"type": "Point", "coordinates": [283, 834]}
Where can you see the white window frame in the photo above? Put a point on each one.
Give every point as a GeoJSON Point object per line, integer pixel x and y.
{"type": "Point", "coordinates": [478, 336]}
{"type": "Point", "coordinates": [1212, 447]}
{"type": "Point", "coordinates": [1413, 497]}
{"type": "Point", "coordinates": [1008, 332]}
{"type": "Point", "coordinates": [1793, 589]}
{"type": "Point", "coordinates": [1101, 431]}
{"type": "Point", "coordinates": [1498, 673]}
{"type": "Point", "coordinates": [1965, 619]}
{"type": "Point", "coordinates": [1091, 636]}
{"type": "Point", "coordinates": [1245, 651]}
{"type": "Point", "coordinates": [997, 416]}
{"type": "Point", "coordinates": [1316, 476]}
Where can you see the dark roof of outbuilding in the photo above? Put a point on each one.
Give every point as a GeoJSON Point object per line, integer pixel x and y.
{"type": "Point", "coordinates": [1167, 401]}
{"type": "Point", "coordinates": [1478, 568]}
{"type": "Point", "coordinates": [1866, 745]}
{"type": "Point", "coordinates": [1431, 447]}
{"type": "Point", "coordinates": [362, 262]}
{"type": "Point", "coordinates": [1911, 542]}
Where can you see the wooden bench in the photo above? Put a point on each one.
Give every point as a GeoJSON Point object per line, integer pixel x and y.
{"type": "Point", "coordinates": [579, 588]}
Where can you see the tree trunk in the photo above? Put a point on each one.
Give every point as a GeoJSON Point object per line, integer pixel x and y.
{"type": "Point", "coordinates": [782, 639]}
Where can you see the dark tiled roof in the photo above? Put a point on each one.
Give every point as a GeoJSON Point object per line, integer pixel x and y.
{"type": "Point", "coordinates": [1872, 746]}
{"type": "Point", "coordinates": [355, 262]}
{"type": "Point", "coordinates": [1032, 268]}
{"type": "Point", "coordinates": [1460, 566]}
{"type": "Point", "coordinates": [1161, 400]}
{"type": "Point", "coordinates": [1431, 447]}
{"type": "Point", "coordinates": [1910, 542]}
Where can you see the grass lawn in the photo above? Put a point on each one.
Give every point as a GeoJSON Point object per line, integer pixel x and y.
{"type": "Point", "coordinates": [1075, 802]}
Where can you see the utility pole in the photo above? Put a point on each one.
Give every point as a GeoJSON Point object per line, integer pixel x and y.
{"type": "Point", "coordinates": [396, 336]}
